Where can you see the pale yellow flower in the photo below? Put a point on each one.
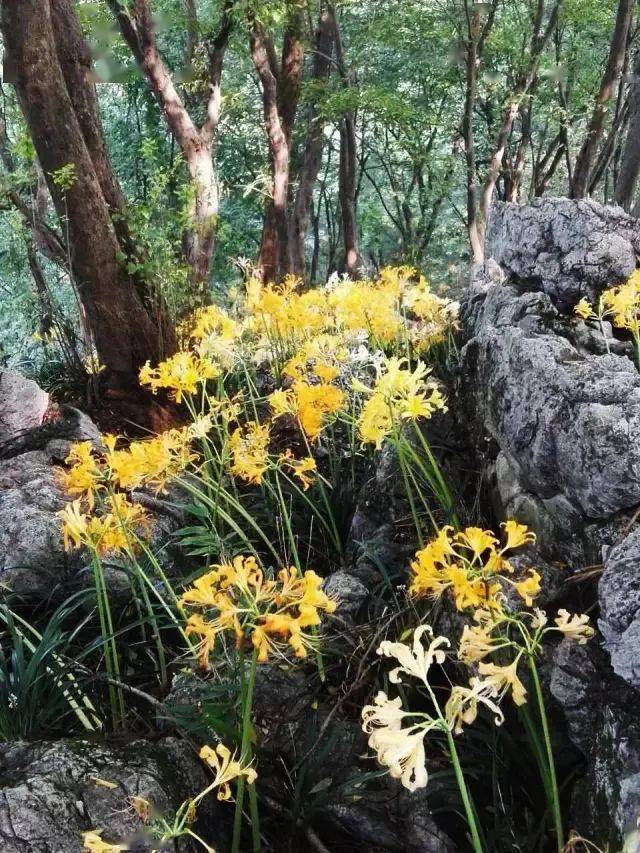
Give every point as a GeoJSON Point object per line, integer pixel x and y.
{"type": "Point", "coordinates": [574, 626]}
{"type": "Point", "coordinates": [94, 844]}
{"type": "Point", "coordinates": [401, 750]}
{"type": "Point", "coordinates": [415, 660]}
{"type": "Point", "coordinates": [462, 706]}
{"type": "Point", "coordinates": [226, 768]}
{"type": "Point", "coordinates": [501, 680]}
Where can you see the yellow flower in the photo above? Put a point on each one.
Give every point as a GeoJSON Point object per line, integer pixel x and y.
{"type": "Point", "coordinates": [85, 474]}
{"type": "Point", "coordinates": [249, 448]}
{"type": "Point", "coordinates": [415, 660]}
{"type": "Point", "coordinates": [574, 626]}
{"type": "Point", "coordinates": [301, 468]}
{"type": "Point", "coordinates": [226, 768]}
{"type": "Point", "coordinates": [398, 394]}
{"type": "Point", "coordinates": [94, 844]}
{"type": "Point", "coordinates": [102, 534]}
{"type": "Point", "coordinates": [529, 587]}
{"type": "Point", "coordinates": [180, 375]}
{"type": "Point", "coordinates": [477, 540]}
{"type": "Point", "coordinates": [462, 706]}
{"type": "Point", "coordinates": [517, 534]}
{"type": "Point", "coordinates": [501, 680]}
{"type": "Point", "coordinates": [584, 309]}
{"type": "Point", "coordinates": [236, 597]}
{"type": "Point", "coordinates": [399, 749]}
{"type": "Point", "coordinates": [152, 462]}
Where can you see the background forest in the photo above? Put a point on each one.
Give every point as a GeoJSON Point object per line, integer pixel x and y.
{"type": "Point", "coordinates": [293, 137]}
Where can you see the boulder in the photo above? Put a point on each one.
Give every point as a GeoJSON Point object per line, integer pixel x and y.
{"type": "Point", "coordinates": [52, 792]}
{"type": "Point", "coordinates": [619, 596]}
{"type": "Point", "coordinates": [600, 710]}
{"type": "Point", "coordinates": [568, 249]}
{"type": "Point", "coordinates": [33, 562]}
{"type": "Point", "coordinates": [23, 404]}
{"type": "Point", "coordinates": [557, 421]}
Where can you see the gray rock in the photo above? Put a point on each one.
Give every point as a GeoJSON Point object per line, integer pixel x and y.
{"type": "Point", "coordinates": [619, 596]}
{"type": "Point", "coordinates": [51, 793]}
{"type": "Point", "coordinates": [349, 593]}
{"type": "Point", "coordinates": [558, 422]}
{"type": "Point", "coordinates": [603, 722]}
{"type": "Point", "coordinates": [32, 557]}
{"type": "Point", "coordinates": [568, 248]}
{"type": "Point", "coordinates": [568, 425]}
{"type": "Point", "coordinates": [22, 404]}
{"type": "Point", "coordinates": [33, 561]}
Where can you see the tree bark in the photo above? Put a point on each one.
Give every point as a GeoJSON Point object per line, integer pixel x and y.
{"type": "Point", "coordinates": [280, 95]}
{"type": "Point", "coordinates": [475, 37]}
{"type": "Point", "coordinates": [123, 330]}
{"type": "Point", "coordinates": [347, 182]}
{"type": "Point", "coordinates": [312, 158]}
{"type": "Point", "coordinates": [198, 144]}
{"type": "Point", "coordinates": [615, 62]}
{"type": "Point", "coordinates": [630, 164]}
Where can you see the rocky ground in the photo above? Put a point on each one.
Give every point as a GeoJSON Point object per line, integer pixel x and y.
{"type": "Point", "coordinates": [554, 423]}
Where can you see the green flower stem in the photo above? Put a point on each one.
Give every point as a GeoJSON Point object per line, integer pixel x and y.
{"type": "Point", "coordinates": [407, 486]}
{"type": "Point", "coordinates": [553, 781]}
{"type": "Point", "coordinates": [442, 490]}
{"type": "Point", "coordinates": [116, 698]}
{"type": "Point", "coordinates": [325, 499]}
{"type": "Point", "coordinates": [245, 755]}
{"type": "Point", "coordinates": [464, 793]}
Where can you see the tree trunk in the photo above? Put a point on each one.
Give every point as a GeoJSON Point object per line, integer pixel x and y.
{"type": "Point", "coordinates": [615, 62]}
{"type": "Point", "coordinates": [123, 330]}
{"type": "Point", "coordinates": [347, 183]}
{"type": "Point", "coordinates": [471, 86]}
{"type": "Point", "coordinates": [312, 158]}
{"type": "Point", "coordinates": [280, 96]}
{"type": "Point", "coordinates": [198, 145]}
{"type": "Point", "coordinates": [347, 193]}
{"type": "Point", "coordinates": [539, 39]}
{"type": "Point", "coordinates": [630, 164]}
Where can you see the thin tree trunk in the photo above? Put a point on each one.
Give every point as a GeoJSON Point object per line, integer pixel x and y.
{"type": "Point", "coordinates": [615, 62]}
{"type": "Point", "coordinates": [538, 42]}
{"type": "Point", "coordinates": [312, 158]}
{"type": "Point", "coordinates": [280, 96]}
{"type": "Point", "coordinates": [197, 144]}
{"type": "Point", "coordinates": [124, 333]}
{"type": "Point", "coordinates": [347, 193]}
{"type": "Point", "coordinates": [630, 163]}
{"type": "Point", "coordinates": [471, 87]}
{"type": "Point", "coordinates": [347, 178]}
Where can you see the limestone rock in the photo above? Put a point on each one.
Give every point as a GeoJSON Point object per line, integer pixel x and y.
{"type": "Point", "coordinates": [568, 248]}
{"type": "Point", "coordinates": [603, 722]}
{"type": "Point", "coordinates": [22, 404]}
{"type": "Point", "coordinates": [619, 596]}
{"type": "Point", "coordinates": [52, 792]}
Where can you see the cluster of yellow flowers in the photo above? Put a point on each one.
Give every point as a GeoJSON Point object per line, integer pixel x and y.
{"type": "Point", "coordinates": [398, 394]}
{"type": "Point", "coordinates": [108, 532]}
{"type": "Point", "coordinates": [472, 567]}
{"type": "Point", "coordinates": [236, 597]}
{"type": "Point", "coordinates": [180, 375]}
{"type": "Point", "coordinates": [105, 476]}
{"type": "Point", "coordinates": [621, 304]}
